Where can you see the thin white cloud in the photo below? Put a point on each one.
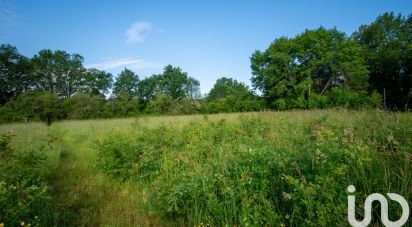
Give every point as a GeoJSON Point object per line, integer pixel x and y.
{"type": "Point", "coordinates": [7, 14]}
{"type": "Point", "coordinates": [138, 31]}
{"type": "Point", "coordinates": [131, 63]}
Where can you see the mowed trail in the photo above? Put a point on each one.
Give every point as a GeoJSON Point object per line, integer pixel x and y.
{"type": "Point", "coordinates": [83, 194]}
{"type": "Point", "coordinates": [87, 197]}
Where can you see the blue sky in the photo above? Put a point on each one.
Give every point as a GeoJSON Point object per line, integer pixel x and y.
{"type": "Point", "coordinates": [207, 39]}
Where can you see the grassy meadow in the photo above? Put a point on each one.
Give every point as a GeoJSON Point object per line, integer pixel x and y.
{"type": "Point", "coordinates": [244, 169]}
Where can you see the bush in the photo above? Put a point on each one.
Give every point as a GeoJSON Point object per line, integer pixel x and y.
{"type": "Point", "coordinates": [82, 106]}
{"type": "Point", "coordinates": [25, 196]}
{"type": "Point", "coordinates": [374, 100]}
{"type": "Point", "coordinates": [38, 105]}
{"type": "Point", "coordinates": [7, 114]}
{"type": "Point", "coordinates": [317, 102]}
{"type": "Point", "coordinates": [280, 104]}
{"type": "Point", "coordinates": [256, 172]}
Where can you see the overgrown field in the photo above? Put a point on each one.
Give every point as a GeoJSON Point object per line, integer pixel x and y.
{"type": "Point", "coordinates": [253, 169]}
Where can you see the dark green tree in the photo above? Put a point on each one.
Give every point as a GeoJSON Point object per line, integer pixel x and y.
{"type": "Point", "coordinates": [15, 73]}
{"type": "Point", "coordinates": [148, 87]}
{"type": "Point", "coordinates": [163, 104]}
{"type": "Point", "coordinates": [58, 72]}
{"type": "Point", "coordinates": [225, 87]}
{"type": "Point", "coordinates": [291, 70]}
{"type": "Point", "coordinates": [122, 106]}
{"type": "Point", "coordinates": [83, 106]}
{"type": "Point", "coordinates": [173, 82]}
{"type": "Point", "coordinates": [386, 45]}
{"type": "Point", "coordinates": [192, 89]}
{"type": "Point", "coordinates": [38, 105]}
{"type": "Point", "coordinates": [96, 82]}
{"type": "Point", "coordinates": [331, 60]}
{"type": "Point", "coordinates": [126, 84]}
{"type": "Point", "coordinates": [229, 95]}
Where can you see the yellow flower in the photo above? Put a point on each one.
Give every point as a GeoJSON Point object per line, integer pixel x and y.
{"type": "Point", "coordinates": [1, 224]}
{"type": "Point", "coordinates": [22, 223]}
{"type": "Point", "coordinates": [35, 217]}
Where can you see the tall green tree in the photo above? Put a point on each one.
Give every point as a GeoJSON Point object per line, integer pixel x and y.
{"type": "Point", "coordinates": [96, 82]}
{"type": "Point", "coordinates": [292, 69]}
{"type": "Point", "coordinates": [38, 105]}
{"type": "Point", "coordinates": [148, 87]}
{"type": "Point", "coordinates": [229, 95]}
{"type": "Point", "coordinates": [15, 73]}
{"type": "Point", "coordinates": [386, 45]}
{"type": "Point", "coordinates": [83, 106]}
{"type": "Point", "coordinates": [331, 59]}
{"type": "Point", "coordinates": [58, 72]}
{"type": "Point", "coordinates": [173, 82]}
{"type": "Point", "coordinates": [225, 87]}
{"type": "Point", "coordinates": [192, 89]}
{"type": "Point", "coordinates": [126, 84]}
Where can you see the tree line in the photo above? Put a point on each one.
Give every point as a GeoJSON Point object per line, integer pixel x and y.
{"type": "Point", "coordinates": [318, 68]}
{"type": "Point", "coordinates": [325, 67]}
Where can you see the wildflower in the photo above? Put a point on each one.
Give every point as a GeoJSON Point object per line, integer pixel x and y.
{"type": "Point", "coordinates": [1, 224]}
{"type": "Point", "coordinates": [282, 225]}
{"type": "Point", "coordinates": [22, 223]}
{"type": "Point", "coordinates": [286, 196]}
{"type": "Point", "coordinates": [35, 217]}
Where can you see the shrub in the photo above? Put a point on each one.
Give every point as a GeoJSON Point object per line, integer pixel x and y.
{"type": "Point", "coordinates": [24, 193]}
{"type": "Point", "coordinates": [258, 172]}
{"type": "Point", "coordinates": [280, 104]}
{"type": "Point", "coordinates": [82, 106]}
{"type": "Point", "coordinates": [374, 100]}
{"type": "Point", "coordinates": [7, 114]}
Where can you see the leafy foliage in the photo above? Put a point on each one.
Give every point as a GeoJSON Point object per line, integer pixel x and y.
{"type": "Point", "coordinates": [82, 106]}
{"type": "Point", "coordinates": [58, 72]}
{"type": "Point", "coordinates": [320, 68]}
{"type": "Point", "coordinates": [126, 84]}
{"type": "Point", "coordinates": [263, 171]}
{"type": "Point", "coordinates": [38, 105]}
{"type": "Point", "coordinates": [25, 196]}
{"type": "Point", "coordinates": [386, 45]}
{"type": "Point", "coordinates": [309, 64]}
{"type": "Point", "coordinates": [15, 73]}
{"type": "Point", "coordinates": [96, 82]}
{"type": "Point", "coordinates": [228, 95]}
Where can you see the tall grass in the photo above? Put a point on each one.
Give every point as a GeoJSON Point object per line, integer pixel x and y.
{"type": "Point", "coordinates": [264, 169]}
{"type": "Point", "coordinates": [250, 169]}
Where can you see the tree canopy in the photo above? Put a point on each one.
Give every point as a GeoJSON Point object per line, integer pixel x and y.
{"type": "Point", "coordinates": [15, 73]}
{"type": "Point", "coordinates": [172, 82]}
{"type": "Point", "coordinates": [58, 72]}
{"type": "Point", "coordinates": [387, 49]}
{"type": "Point", "coordinates": [126, 83]}
{"type": "Point", "coordinates": [310, 63]}
{"type": "Point", "coordinates": [225, 87]}
{"type": "Point", "coordinates": [96, 82]}
{"type": "Point", "coordinates": [229, 95]}
{"type": "Point", "coordinates": [317, 68]}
